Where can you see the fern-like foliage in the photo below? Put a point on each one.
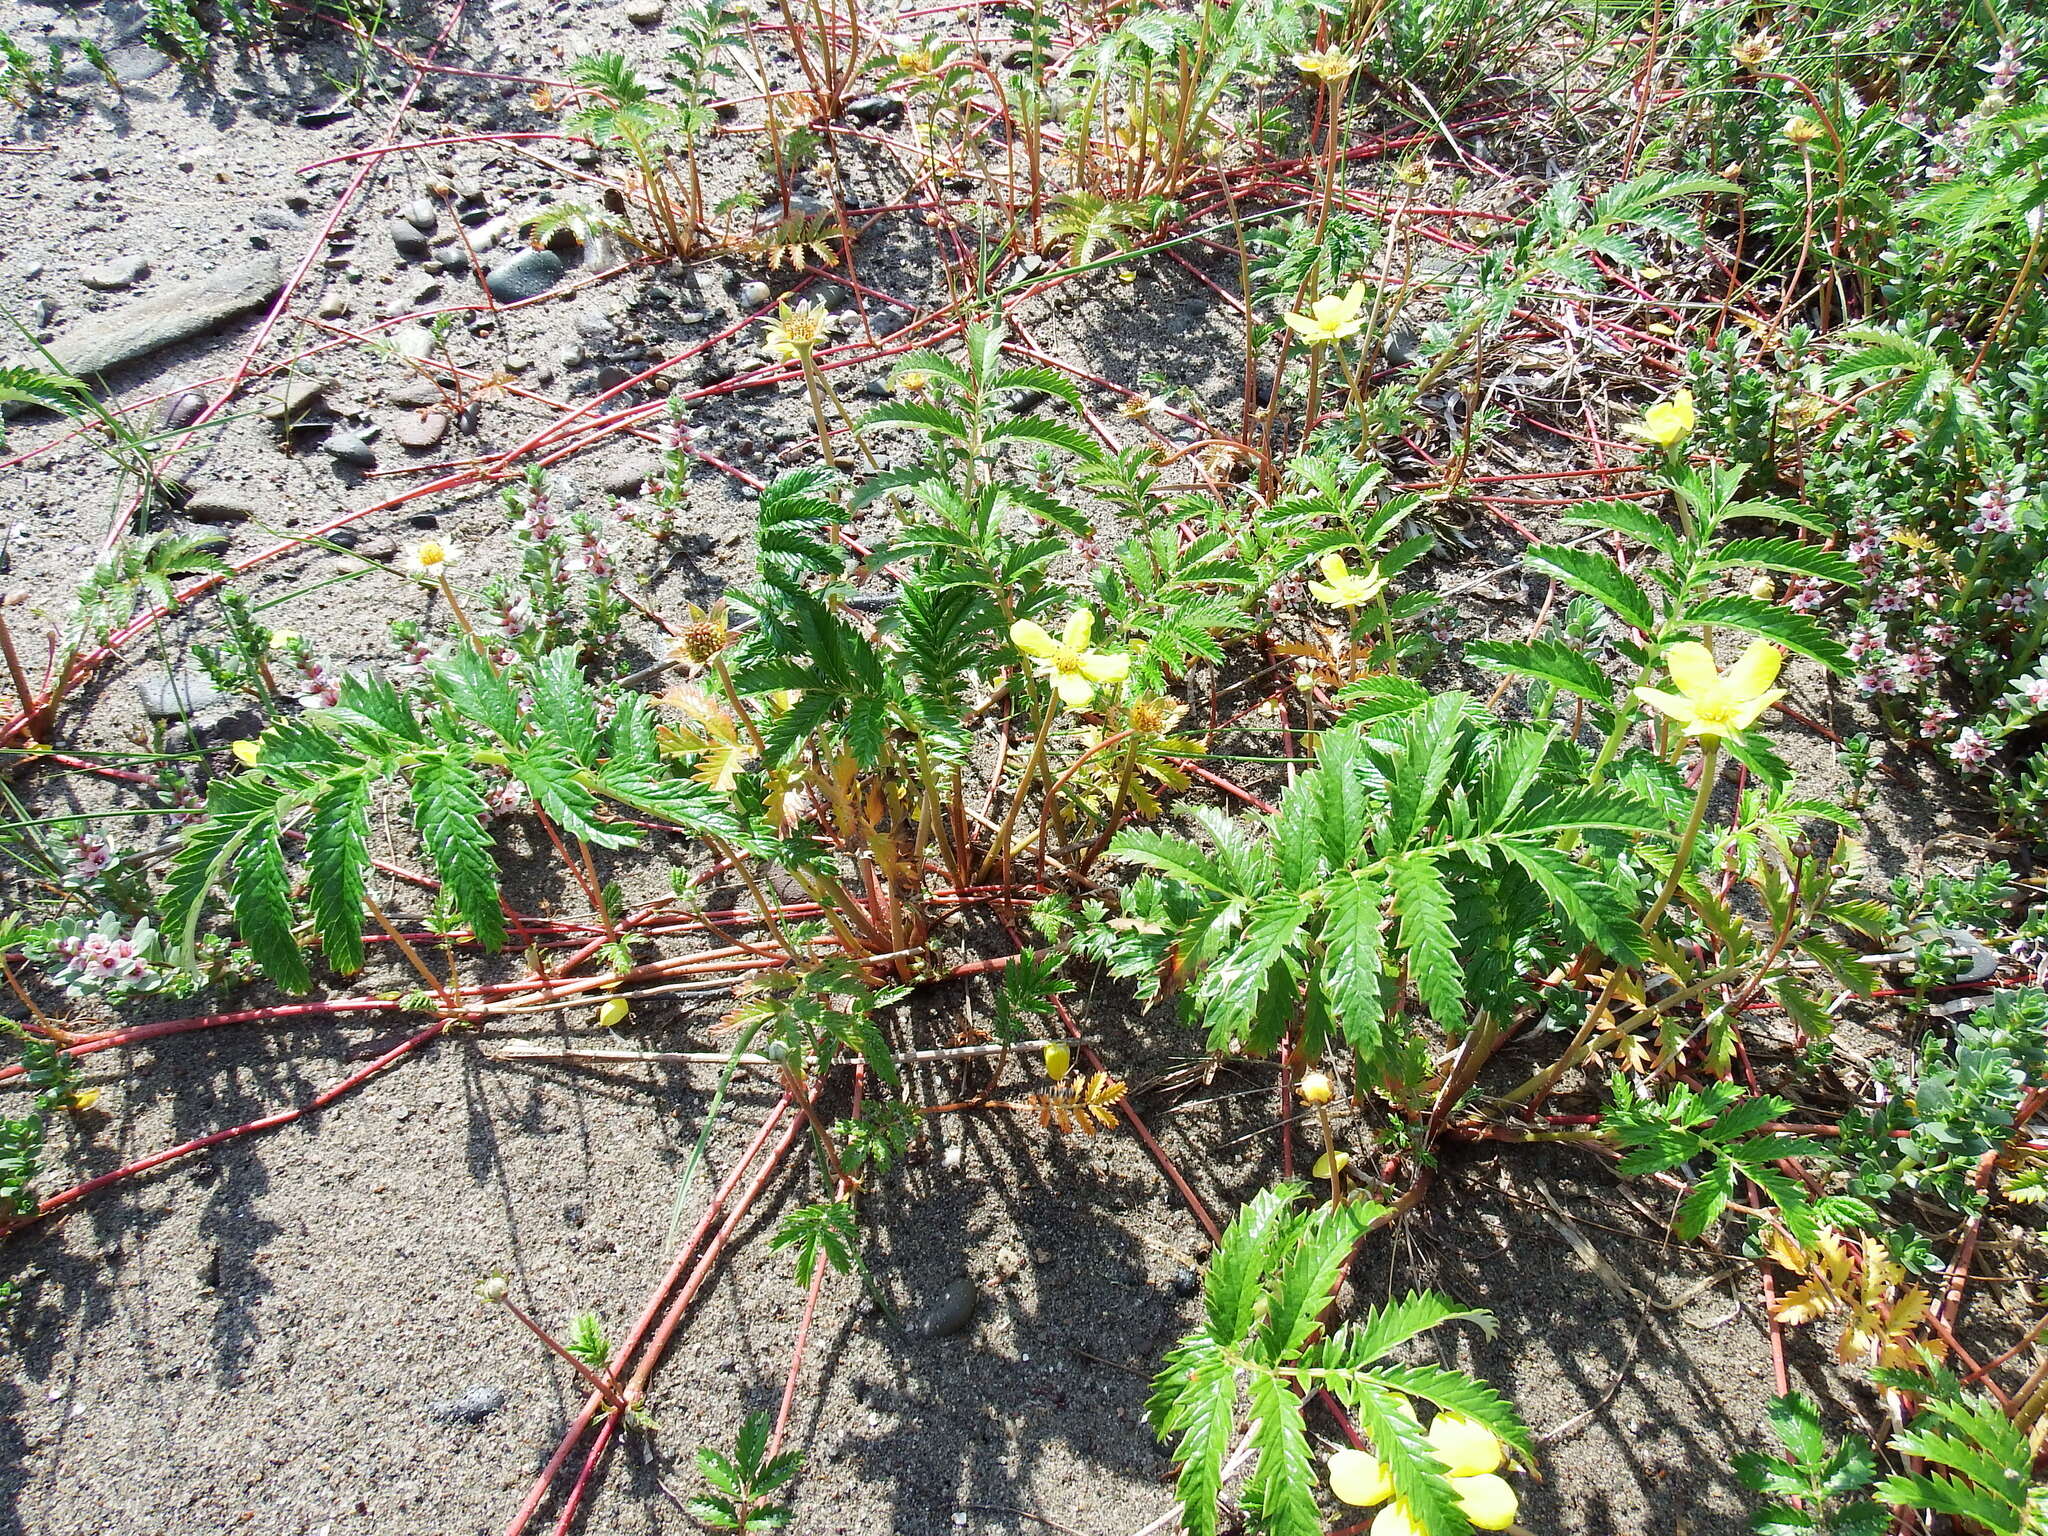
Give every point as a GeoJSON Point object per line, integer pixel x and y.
{"type": "Point", "coordinates": [1416, 859]}
{"type": "Point", "coordinates": [477, 729]}
{"type": "Point", "coordinates": [1260, 1348]}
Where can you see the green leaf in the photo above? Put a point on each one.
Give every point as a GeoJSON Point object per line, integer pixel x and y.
{"type": "Point", "coordinates": [1195, 1398]}
{"type": "Point", "coordinates": [337, 857]}
{"type": "Point", "coordinates": [919, 415]}
{"type": "Point", "coordinates": [1283, 1484]}
{"type": "Point", "coordinates": [1781, 626]}
{"type": "Point", "coordinates": [1411, 1463]}
{"type": "Point", "coordinates": [1047, 434]}
{"type": "Point", "coordinates": [1230, 1290]}
{"type": "Point", "coordinates": [1706, 1200]}
{"type": "Point", "coordinates": [1308, 1273]}
{"type": "Point", "coordinates": [263, 908]}
{"type": "Point", "coordinates": [1456, 1392]}
{"type": "Point", "coordinates": [1354, 962]}
{"type": "Point", "coordinates": [1630, 519]}
{"type": "Point", "coordinates": [1431, 742]}
{"type": "Point", "coordinates": [1599, 577]}
{"type": "Point", "coordinates": [1787, 555]}
{"type": "Point", "coordinates": [1424, 907]}
{"type": "Point", "coordinates": [448, 811]}
{"type": "Point", "coordinates": [562, 704]}
{"type": "Point", "coordinates": [1585, 898]}
{"type": "Point", "coordinates": [1550, 661]}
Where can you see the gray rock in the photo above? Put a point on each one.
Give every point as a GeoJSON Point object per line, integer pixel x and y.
{"type": "Point", "coordinates": [755, 294]}
{"type": "Point", "coordinates": [949, 1314]}
{"type": "Point", "coordinates": [422, 430]}
{"type": "Point", "coordinates": [296, 398]}
{"type": "Point", "coordinates": [351, 448]}
{"type": "Point", "coordinates": [218, 504]}
{"type": "Point", "coordinates": [133, 63]}
{"type": "Point", "coordinates": [182, 410]}
{"type": "Point", "coordinates": [413, 341]}
{"type": "Point", "coordinates": [876, 111]}
{"type": "Point", "coordinates": [409, 241]}
{"type": "Point", "coordinates": [416, 395]}
{"type": "Point", "coordinates": [525, 275]}
{"type": "Point", "coordinates": [473, 1407]}
{"type": "Point", "coordinates": [622, 482]}
{"type": "Point", "coordinates": [644, 13]}
{"type": "Point", "coordinates": [1185, 1283]}
{"type": "Point", "coordinates": [595, 325]}
{"type": "Point", "coordinates": [711, 371]}
{"type": "Point", "coordinates": [452, 256]}
{"type": "Point", "coordinates": [214, 728]}
{"type": "Point", "coordinates": [174, 314]}
{"type": "Point", "coordinates": [121, 272]}
{"type": "Point", "coordinates": [176, 695]}
{"type": "Point", "coordinates": [422, 215]}
{"type": "Point", "coordinates": [611, 376]}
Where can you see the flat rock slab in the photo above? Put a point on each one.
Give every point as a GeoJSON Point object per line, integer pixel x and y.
{"type": "Point", "coordinates": [175, 314]}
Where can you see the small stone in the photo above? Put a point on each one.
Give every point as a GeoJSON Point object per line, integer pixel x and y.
{"type": "Point", "coordinates": [417, 395]}
{"type": "Point", "coordinates": [473, 1407]}
{"type": "Point", "coordinates": [282, 219]}
{"type": "Point", "coordinates": [422, 215]}
{"type": "Point", "coordinates": [1185, 1283]}
{"type": "Point", "coordinates": [644, 13]}
{"type": "Point", "coordinates": [452, 256]}
{"type": "Point", "coordinates": [950, 1313]}
{"type": "Point", "coordinates": [214, 728]}
{"type": "Point", "coordinates": [410, 242]}
{"type": "Point", "coordinates": [413, 341]}
{"type": "Point", "coordinates": [333, 307]}
{"type": "Point", "coordinates": [422, 430]}
{"type": "Point", "coordinates": [710, 370]}
{"type": "Point", "coordinates": [621, 482]}
{"type": "Point", "coordinates": [611, 376]}
{"type": "Point", "coordinates": [876, 111]}
{"type": "Point", "coordinates": [121, 272]}
{"type": "Point", "coordinates": [755, 294]}
{"type": "Point", "coordinates": [526, 275]}
{"type": "Point", "coordinates": [218, 504]}
{"type": "Point", "coordinates": [182, 410]}
{"type": "Point", "coordinates": [569, 357]}
{"type": "Point", "coordinates": [351, 448]}
{"type": "Point", "coordinates": [595, 325]}
{"type": "Point", "coordinates": [298, 397]}
{"type": "Point", "coordinates": [169, 698]}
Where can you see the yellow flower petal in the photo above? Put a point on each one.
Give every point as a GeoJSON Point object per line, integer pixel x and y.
{"type": "Point", "coordinates": [1692, 668]}
{"type": "Point", "coordinates": [1747, 714]}
{"type": "Point", "coordinates": [1666, 703]}
{"type": "Point", "coordinates": [1080, 629]}
{"type": "Point", "coordinates": [1032, 639]}
{"type": "Point", "coordinates": [1324, 594]}
{"type": "Point", "coordinates": [1465, 1446]}
{"type": "Point", "coordinates": [1333, 566]}
{"type": "Point", "coordinates": [1075, 691]}
{"type": "Point", "coordinates": [1754, 671]}
{"type": "Point", "coordinates": [1488, 1502]}
{"type": "Point", "coordinates": [1357, 1477]}
{"type": "Point", "coordinates": [1395, 1520]}
{"type": "Point", "coordinates": [1105, 667]}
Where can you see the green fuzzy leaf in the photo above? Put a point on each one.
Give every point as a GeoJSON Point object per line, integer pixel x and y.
{"type": "Point", "coordinates": [1354, 966]}
{"type": "Point", "coordinates": [1584, 897]}
{"type": "Point", "coordinates": [1456, 1392]}
{"type": "Point", "coordinates": [337, 856]}
{"type": "Point", "coordinates": [1781, 626]}
{"type": "Point", "coordinates": [1599, 577]}
{"type": "Point", "coordinates": [1424, 907]}
{"type": "Point", "coordinates": [262, 893]}
{"type": "Point", "coordinates": [1282, 1486]}
{"type": "Point", "coordinates": [1631, 520]}
{"type": "Point", "coordinates": [1706, 1200]}
{"type": "Point", "coordinates": [448, 811]}
{"type": "Point", "coordinates": [1787, 555]}
{"type": "Point", "coordinates": [1549, 661]}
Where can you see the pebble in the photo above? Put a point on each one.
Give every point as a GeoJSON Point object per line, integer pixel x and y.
{"type": "Point", "coordinates": [413, 340]}
{"type": "Point", "coordinates": [121, 272]}
{"type": "Point", "coordinates": [282, 219]}
{"type": "Point", "coordinates": [298, 397]}
{"type": "Point", "coordinates": [333, 307]}
{"type": "Point", "coordinates": [526, 275]}
{"type": "Point", "coordinates": [755, 294]}
{"type": "Point", "coordinates": [711, 371]}
{"type": "Point", "coordinates": [569, 357]}
{"type": "Point", "coordinates": [950, 1313]}
{"type": "Point", "coordinates": [214, 728]}
{"type": "Point", "coordinates": [218, 504]}
{"type": "Point", "coordinates": [422, 430]}
{"type": "Point", "coordinates": [351, 448]}
{"type": "Point", "coordinates": [169, 697]}
{"type": "Point", "coordinates": [644, 13]}
{"type": "Point", "coordinates": [422, 215]}
{"type": "Point", "coordinates": [1185, 1283]}
{"type": "Point", "coordinates": [595, 325]}
{"type": "Point", "coordinates": [473, 1407]}
{"type": "Point", "coordinates": [452, 256]}
{"type": "Point", "coordinates": [416, 395]}
{"type": "Point", "coordinates": [409, 241]}
{"type": "Point", "coordinates": [183, 410]}
{"type": "Point", "coordinates": [611, 376]}
{"type": "Point", "coordinates": [876, 111]}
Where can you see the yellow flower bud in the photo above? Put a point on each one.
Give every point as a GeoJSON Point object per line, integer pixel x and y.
{"type": "Point", "coordinates": [1487, 1500]}
{"type": "Point", "coordinates": [1358, 1477]}
{"type": "Point", "coordinates": [1465, 1446]}
{"type": "Point", "coordinates": [1395, 1520]}
{"type": "Point", "coordinates": [1059, 1060]}
{"type": "Point", "coordinates": [1316, 1088]}
{"type": "Point", "coordinates": [614, 1012]}
{"type": "Point", "coordinates": [1763, 589]}
{"type": "Point", "coordinates": [1323, 1163]}
{"type": "Point", "coordinates": [247, 752]}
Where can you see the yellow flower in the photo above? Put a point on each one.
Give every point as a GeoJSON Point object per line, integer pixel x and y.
{"type": "Point", "coordinates": [1059, 1060]}
{"type": "Point", "coordinates": [1316, 1088]}
{"type": "Point", "coordinates": [1800, 131]}
{"type": "Point", "coordinates": [913, 381]}
{"type": "Point", "coordinates": [1713, 703]}
{"type": "Point", "coordinates": [1331, 319]}
{"type": "Point", "coordinates": [1489, 1503]}
{"type": "Point", "coordinates": [796, 330]}
{"type": "Point", "coordinates": [1340, 589]}
{"type": "Point", "coordinates": [1469, 1452]}
{"type": "Point", "coordinates": [1359, 1477]}
{"type": "Point", "coordinates": [1328, 65]}
{"type": "Point", "coordinates": [1465, 1446]}
{"type": "Point", "coordinates": [1067, 663]}
{"type": "Point", "coordinates": [1669, 422]}
{"type": "Point", "coordinates": [614, 1012]}
{"type": "Point", "coordinates": [1754, 51]}
{"type": "Point", "coordinates": [248, 753]}
{"type": "Point", "coordinates": [431, 558]}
